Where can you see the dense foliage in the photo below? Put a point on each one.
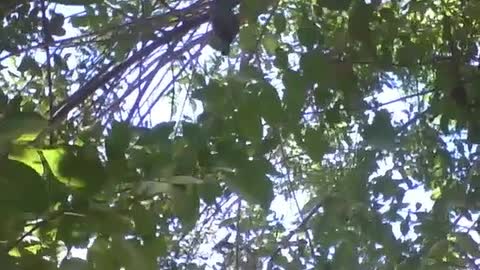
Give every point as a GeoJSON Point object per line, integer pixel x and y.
{"type": "Point", "coordinates": [128, 141]}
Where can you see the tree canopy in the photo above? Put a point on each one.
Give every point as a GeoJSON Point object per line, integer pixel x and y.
{"type": "Point", "coordinates": [130, 138]}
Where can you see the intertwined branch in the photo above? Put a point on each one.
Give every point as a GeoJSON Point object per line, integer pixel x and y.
{"type": "Point", "coordinates": [187, 19]}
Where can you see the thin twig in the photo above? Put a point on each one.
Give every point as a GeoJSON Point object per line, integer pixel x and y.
{"type": "Point", "coordinates": [46, 35]}
{"type": "Point", "coordinates": [292, 232]}
{"type": "Point", "coordinates": [294, 196]}
{"type": "Point", "coordinates": [238, 238]}
{"type": "Point", "coordinates": [35, 227]}
{"type": "Point", "coordinates": [100, 79]}
{"type": "Point", "coordinates": [405, 98]}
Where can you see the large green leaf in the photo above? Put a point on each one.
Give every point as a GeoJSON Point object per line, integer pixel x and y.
{"type": "Point", "coordinates": [74, 264]}
{"type": "Point", "coordinates": [118, 141]}
{"type": "Point", "coordinates": [100, 255]}
{"type": "Point", "coordinates": [315, 68]}
{"type": "Point", "coordinates": [144, 221]}
{"type": "Point", "coordinates": [248, 119]}
{"type": "Point", "coordinates": [158, 135]}
{"type": "Point", "coordinates": [30, 64]}
{"type": "Point", "coordinates": [280, 22]}
{"type": "Point", "coordinates": [55, 25]}
{"type": "Point", "coordinates": [439, 249]}
{"type": "Point", "coordinates": [307, 32]}
{"type": "Point", "coordinates": [316, 144]}
{"type": "Point", "coordinates": [22, 187]}
{"type": "Point", "coordinates": [252, 183]}
{"type": "Point", "coordinates": [21, 124]}
{"type": "Point", "coordinates": [467, 244]}
{"type": "Point", "coordinates": [128, 254]}
{"type": "Point", "coordinates": [28, 155]}
{"type": "Point", "coordinates": [248, 38]}
{"type": "Point", "coordinates": [209, 192]}
{"type": "Point", "coordinates": [359, 25]}
{"type": "Point", "coordinates": [82, 166]}
{"type": "Point", "coordinates": [182, 180]}
{"type": "Point", "coordinates": [345, 256]}
{"type": "Point", "coordinates": [271, 109]}
{"type": "Point", "coordinates": [336, 4]}
{"type": "Point", "coordinates": [380, 133]}
{"type": "Point", "coordinates": [185, 205]}
{"type": "Point", "coordinates": [151, 188]}
{"type": "Point", "coordinates": [295, 95]}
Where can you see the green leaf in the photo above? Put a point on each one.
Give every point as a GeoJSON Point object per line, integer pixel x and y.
{"type": "Point", "coordinates": [194, 134]}
{"type": "Point", "coordinates": [270, 43]}
{"type": "Point", "coordinates": [248, 38]}
{"type": "Point", "coordinates": [271, 109]}
{"type": "Point", "coordinates": [316, 144]}
{"type": "Point", "coordinates": [359, 24]}
{"type": "Point", "coordinates": [182, 180]}
{"type": "Point", "coordinates": [55, 25]}
{"type": "Point", "coordinates": [252, 183]}
{"type": "Point", "coordinates": [281, 59]}
{"type": "Point", "coordinates": [128, 252]}
{"type": "Point", "coordinates": [405, 227]}
{"type": "Point", "coordinates": [335, 4]}
{"type": "Point", "coordinates": [439, 249]}
{"type": "Point", "coordinates": [214, 98]}
{"type": "Point", "coordinates": [295, 95]}
{"type": "Point", "coordinates": [29, 64]}
{"type": "Point", "coordinates": [83, 166]}
{"type": "Point", "coordinates": [108, 221]}
{"type": "Point", "coordinates": [21, 124]}
{"type": "Point", "coordinates": [101, 256]}
{"type": "Point", "coordinates": [118, 141]}
{"type": "Point", "coordinates": [185, 205]}
{"type": "Point", "coordinates": [80, 20]}
{"type": "Point", "coordinates": [3, 102]}
{"type": "Point", "coordinates": [184, 162]}
{"type": "Point", "coordinates": [151, 188]}
{"type": "Point", "coordinates": [248, 73]}
{"type": "Point", "coordinates": [408, 264]}
{"type": "Point", "coordinates": [380, 133]}
{"type": "Point", "coordinates": [250, 9]}
{"type": "Point", "coordinates": [218, 44]}
{"type": "Point", "coordinates": [74, 264]}
{"type": "Point", "coordinates": [28, 156]}
{"type": "Point", "coordinates": [155, 247]}
{"type": "Point", "coordinates": [35, 262]}
{"type": "Point", "coordinates": [345, 257]}
{"type": "Point", "coordinates": [209, 192]}
{"type": "Point", "coordinates": [158, 135]}
{"type": "Point", "coordinates": [409, 54]}
{"type": "Point", "coordinates": [280, 22]}
{"type": "Point", "coordinates": [307, 32]}
{"type": "Point", "coordinates": [248, 119]}
{"type": "Point", "coordinates": [22, 187]}
{"type": "Point", "coordinates": [315, 67]}
{"type": "Point", "coordinates": [474, 131]}
{"type": "Point", "coordinates": [54, 156]}
{"type": "Point", "coordinates": [116, 146]}
{"type": "Point", "coordinates": [467, 244]}
{"type": "Point", "coordinates": [144, 221]}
